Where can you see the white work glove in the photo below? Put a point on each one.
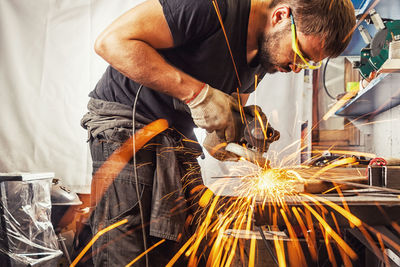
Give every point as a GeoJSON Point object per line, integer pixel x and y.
{"type": "Point", "coordinates": [216, 146]}
{"type": "Point", "coordinates": [212, 110]}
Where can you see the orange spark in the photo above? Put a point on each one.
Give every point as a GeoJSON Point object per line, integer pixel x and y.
{"type": "Point", "coordinates": [349, 251]}
{"type": "Point", "coordinates": [331, 189]}
{"type": "Point", "coordinates": [340, 103]}
{"type": "Point", "coordinates": [312, 249]}
{"type": "Point", "coordinates": [298, 257]}
{"type": "Point", "coordinates": [252, 254]}
{"type": "Point", "coordinates": [280, 251]}
{"type": "Point", "coordinates": [335, 164]}
{"type": "Point", "coordinates": [346, 207]}
{"type": "Point", "coordinates": [361, 20]}
{"type": "Point", "coordinates": [336, 223]}
{"type": "Point", "coordinates": [348, 215]}
{"type": "Point", "coordinates": [145, 252]}
{"type": "Point", "coordinates": [385, 257]}
{"type": "Point", "coordinates": [98, 234]}
{"type": "Point", "coordinates": [310, 225]}
{"type": "Point", "coordinates": [117, 161]}
{"type": "Point", "coordinates": [226, 39]}
{"type": "Point", "coordinates": [205, 198]}
{"type": "Point", "coordinates": [328, 246]}
{"type": "Point", "coordinates": [345, 258]}
{"type": "Point", "coordinates": [258, 116]}
{"type": "Point", "coordinates": [180, 252]}
{"type": "Point", "coordinates": [215, 149]}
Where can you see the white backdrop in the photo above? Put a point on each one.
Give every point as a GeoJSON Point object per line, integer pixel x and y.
{"type": "Point", "coordinates": [48, 67]}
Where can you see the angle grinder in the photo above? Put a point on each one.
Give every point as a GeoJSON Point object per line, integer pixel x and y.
{"type": "Point", "coordinates": [258, 134]}
{"type": "Point", "coordinates": [253, 135]}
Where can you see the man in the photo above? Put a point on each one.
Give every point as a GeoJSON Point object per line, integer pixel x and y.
{"type": "Point", "coordinates": [172, 57]}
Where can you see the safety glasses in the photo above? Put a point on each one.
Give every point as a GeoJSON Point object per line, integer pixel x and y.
{"type": "Point", "coordinates": [295, 46]}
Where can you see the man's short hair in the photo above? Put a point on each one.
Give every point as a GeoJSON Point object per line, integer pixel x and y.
{"type": "Point", "coordinates": [334, 20]}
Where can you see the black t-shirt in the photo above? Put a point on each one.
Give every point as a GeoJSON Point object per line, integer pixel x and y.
{"type": "Point", "coordinates": [200, 50]}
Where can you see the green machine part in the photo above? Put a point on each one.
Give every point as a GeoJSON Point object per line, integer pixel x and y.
{"type": "Point", "coordinates": [365, 67]}
{"type": "Point", "coordinates": [374, 55]}
{"type": "Point", "coordinates": [392, 29]}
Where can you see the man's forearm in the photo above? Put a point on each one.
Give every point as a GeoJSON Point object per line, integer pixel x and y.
{"type": "Point", "coordinates": [143, 64]}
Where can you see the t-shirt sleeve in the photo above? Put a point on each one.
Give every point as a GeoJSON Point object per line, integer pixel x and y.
{"type": "Point", "coordinates": [191, 20]}
{"type": "Point", "coordinates": [250, 87]}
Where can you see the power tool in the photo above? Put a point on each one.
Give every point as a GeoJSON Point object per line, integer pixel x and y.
{"type": "Point", "coordinates": [376, 53]}
{"type": "Point", "coordinates": [258, 134]}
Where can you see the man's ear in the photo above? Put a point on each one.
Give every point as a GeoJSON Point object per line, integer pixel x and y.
{"type": "Point", "coordinates": [280, 13]}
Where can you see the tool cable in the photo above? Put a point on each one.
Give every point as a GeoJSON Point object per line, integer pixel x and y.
{"type": "Point", "coordinates": [136, 176]}
{"type": "Point", "coordinates": [268, 246]}
{"type": "Point", "coordinates": [324, 78]}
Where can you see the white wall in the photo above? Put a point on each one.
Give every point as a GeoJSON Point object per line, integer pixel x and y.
{"type": "Point", "coordinates": [386, 131]}
{"type": "Point", "coordinates": [47, 68]}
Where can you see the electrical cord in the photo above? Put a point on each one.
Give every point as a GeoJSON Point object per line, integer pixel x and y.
{"type": "Point", "coordinates": [136, 176]}
{"type": "Point", "coordinates": [268, 245]}
{"type": "Point", "coordinates": [323, 80]}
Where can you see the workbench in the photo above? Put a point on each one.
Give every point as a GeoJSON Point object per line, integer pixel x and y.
{"type": "Point", "coordinates": [378, 209]}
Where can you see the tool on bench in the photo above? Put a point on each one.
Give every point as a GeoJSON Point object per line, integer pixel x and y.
{"type": "Point", "coordinates": [381, 52]}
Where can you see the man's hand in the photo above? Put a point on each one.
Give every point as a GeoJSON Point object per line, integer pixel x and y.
{"type": "Point", "coordinates": [213, 110]}
{"type": "Point", "coordinates": [243, 135]}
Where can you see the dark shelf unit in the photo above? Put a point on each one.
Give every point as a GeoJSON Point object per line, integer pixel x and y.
{"type": "Point", "coordinates": [381, 94]}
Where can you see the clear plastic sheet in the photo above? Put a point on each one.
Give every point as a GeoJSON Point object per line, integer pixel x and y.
{"type": "Point", "coordinates": [27, 236]}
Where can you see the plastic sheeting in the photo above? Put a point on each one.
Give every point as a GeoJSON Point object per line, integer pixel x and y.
{"type": "Point", "coordinates": [27, 237]}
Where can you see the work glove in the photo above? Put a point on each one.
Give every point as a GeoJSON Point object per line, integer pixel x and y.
{"type": "Point", "coordinates": [216, 145]}
{"type": "Point", "coordinates": [213, 110]}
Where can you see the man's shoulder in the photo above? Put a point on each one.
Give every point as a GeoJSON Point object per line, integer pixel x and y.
{"type": "Point", "coordinates": [197, 5]}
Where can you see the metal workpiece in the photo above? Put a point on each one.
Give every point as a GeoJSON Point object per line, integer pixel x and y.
{"type": "Point", "coordinates": [391, 176]}
{"type": "Point", "coordinates": [384, 176]}
{"type": "Point", "coordinates": [375, 177]}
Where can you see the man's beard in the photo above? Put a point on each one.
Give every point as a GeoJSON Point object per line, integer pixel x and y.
{"type": "Point", "coordinates": [268, 43]}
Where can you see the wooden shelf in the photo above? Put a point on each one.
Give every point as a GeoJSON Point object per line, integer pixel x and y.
{"type": "Point", "coordinates": [381, 94]}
